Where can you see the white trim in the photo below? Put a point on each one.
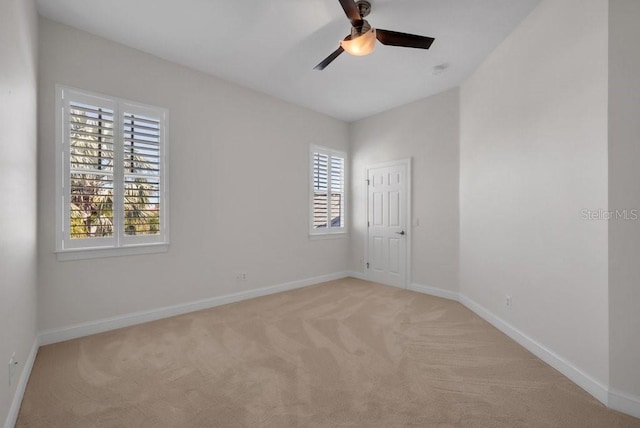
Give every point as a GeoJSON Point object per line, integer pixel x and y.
{"type": "Point", "coordinates": [357, 275]}
{"type": "Point", "coordinates": [14, 410]}
{"type": "Point", "coordinates": [332, 235]}
{"type": "Point", "coordinates": [623, 402]}
{"type": "Point", "coordinates": [96, 253]}
{"type": "Point", "coordinates": [409, 220]}
{"type": "Point", "coordinates": [433, 291]}
{"type": "Point", "coordinates": [100, 326]}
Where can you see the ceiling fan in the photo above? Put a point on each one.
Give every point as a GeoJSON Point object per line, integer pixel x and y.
{"type": "Point", "coordinates": [362, 40]}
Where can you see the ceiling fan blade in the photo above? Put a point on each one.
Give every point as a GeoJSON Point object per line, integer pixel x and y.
{"type": "Point", "coordinates": [394, 38]}
{"type": "Point", "coordinates": [351, 10]}
{"type": "Point", "coordinates": [328, 60]}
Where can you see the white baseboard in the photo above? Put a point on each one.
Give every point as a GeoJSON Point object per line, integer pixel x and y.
{"type": "Point", "coordinates": [357, 275]}
{"type": "Point", "coordinates": [624, 403]}
{"type": "Point", "coordinates": [14, 410]}
{"type": "Point", "coordinates": [614, 399]}
{"type": "Point", "coordinates": [577, 376]}
{"type": "Point", "coordinates": [100, 326]}
{"type": "Point", "coordinates": [433, 291]}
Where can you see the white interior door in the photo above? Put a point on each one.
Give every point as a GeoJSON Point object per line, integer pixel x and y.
{"type": "Point", "coordinates": [388, 234]}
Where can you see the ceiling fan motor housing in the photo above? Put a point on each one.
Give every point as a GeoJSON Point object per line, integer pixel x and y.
{"type": "Point", "coordinates": [364, 7]}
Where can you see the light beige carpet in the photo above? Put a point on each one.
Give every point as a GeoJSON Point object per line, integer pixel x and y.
{"type": "Point", "coordinates": [347, 353]}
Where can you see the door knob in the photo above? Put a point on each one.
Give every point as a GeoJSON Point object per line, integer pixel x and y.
{"type": "Point", "coordinates": [400, 233]}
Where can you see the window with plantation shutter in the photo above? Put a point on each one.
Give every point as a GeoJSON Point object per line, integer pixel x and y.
{"type": "Point", "coordinates": [111, 175]}
{"type": "Point", "coordinates": [328, 204]}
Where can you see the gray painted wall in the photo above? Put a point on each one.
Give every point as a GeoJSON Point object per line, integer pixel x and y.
{"type": "Point", "coordinates": [533, 155]}
{"type": "Point", "coordinates": [18, 281]}
{"type": "Point", "coordinates": [427, 132]}
{"type": "Point", "coordinates": [502, 171]}
{"type": "Point", "coordinates": [237, 157]}
{"type": "Point", "coordinates": [624, 194]}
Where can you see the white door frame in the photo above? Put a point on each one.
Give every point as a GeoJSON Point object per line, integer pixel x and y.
{"type": "Point", "coordinates": [408, 221]}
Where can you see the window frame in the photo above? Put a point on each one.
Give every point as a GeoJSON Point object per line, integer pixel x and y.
{"type": "Point", "coordinates": [330, 231]}
{"type": "Point", "coordinates": [119, 244]}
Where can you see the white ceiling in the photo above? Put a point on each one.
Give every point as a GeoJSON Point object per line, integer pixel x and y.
{"type": "Point", "coordinates": [273, 45]}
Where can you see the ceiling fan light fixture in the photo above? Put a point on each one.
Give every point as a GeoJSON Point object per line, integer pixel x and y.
{"type": "Point", "coordinates": [362, 40]}
{"type": "Point", "coordinates": [362, 45]}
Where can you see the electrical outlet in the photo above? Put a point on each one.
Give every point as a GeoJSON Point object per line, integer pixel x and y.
{"type": "Point", "coordinates": [507, 302]}
{"type": "Point", "coordinates": [242, 276]}
{"type": "Point", "coordinates": [12, 367]}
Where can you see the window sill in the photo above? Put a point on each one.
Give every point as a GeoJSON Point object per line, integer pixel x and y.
{"type": "Point", "coordinates": [333, 235]}
{"type": "Point", "coordinates": [96, 253]}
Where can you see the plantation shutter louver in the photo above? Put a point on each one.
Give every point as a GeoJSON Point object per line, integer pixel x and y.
{"type": "Point", "coordinates": [91, 173]}
{"type": "Point", "coordinates": [337, 191]}
{"type": "Point", "coordinates": [320, 190]}
{"type": "Point", "coordinates": [141, 174]}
